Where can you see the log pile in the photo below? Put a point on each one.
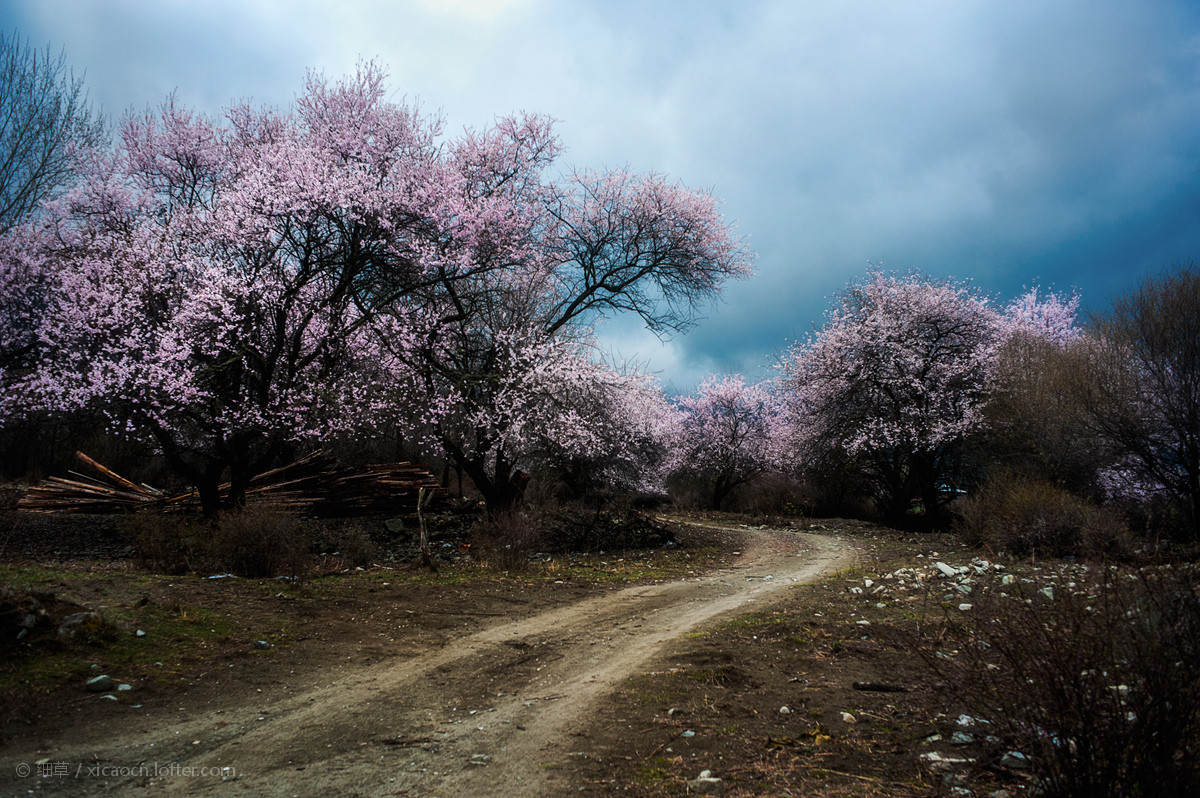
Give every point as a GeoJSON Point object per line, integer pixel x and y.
{"type": "Point", "coordinates": [313, 485]}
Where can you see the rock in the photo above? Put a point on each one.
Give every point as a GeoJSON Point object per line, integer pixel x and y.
{"type": "Point", "coordinates": [1016, 761]}
{"type": "Point", "coordinates": [707, 784]}
{"type": "Point", "coordinates": [784, 711]}
{"type": "Point", "coordinates": [124, 688]}
{"type": "Point", "coordinates": [262, 645]}
{"type": "Point", "coordinates": [100, 684]}
{"type": "Point", "coordinates": [75, 623]}
{"type": "Point", "coordinates": [935, 761]}
{"type": "Point", "coordinates": [688, 733]}
{"type": "Point", "coordinates": [848, 718]}
{"type": "Point", "coordinates": [961, 738]}
{"type": "Point", "coordinates": [947, 570]}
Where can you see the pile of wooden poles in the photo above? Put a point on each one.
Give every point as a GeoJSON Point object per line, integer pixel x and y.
{"type": "Point", "coordinates": [314, 485]}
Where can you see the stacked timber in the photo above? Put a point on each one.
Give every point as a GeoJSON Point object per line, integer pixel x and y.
{"type": "Point", "coordinates": [316, 484]}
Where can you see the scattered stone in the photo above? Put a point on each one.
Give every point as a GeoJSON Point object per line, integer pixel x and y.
{"type": "Point", "coordinates": [140, 633]}
{"type": "Point", "coordinates": [688, 733]}
{"type": "Point", "coordinates": [961, 738]}
{"type": "Point", "coordinates": [964, 607]}
{"type": "Point", "coordinates": [935, 761]}
{"type": "Point", "coordinates": [848, 718]}
{"type": "Point", "coordinates": [75, 623]}
{"type": "Point", "coordinates": [100, 684]}
{"type": "Point", "coordinates": [784, 711]}
{"type": "Point", "coordinates": [707, 784]}
{"type": "Point", "coordinates": [947, 570]}
{"type": "Point", "coordinates": [480, 759]}
{"type": "Point", "coordinates": [124, 688]}
{"type": "Point", "coordinates": [1016, 761]}
{"type": "Point", "coordinates": [879, 687]}
{"type": "Point", "coordinates": [261, 644]}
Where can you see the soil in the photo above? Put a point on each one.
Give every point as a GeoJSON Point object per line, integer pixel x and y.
{"type": "Point", "coordinates": [478, 697]}
{"type": "Point", "coordinates": [491, 686]}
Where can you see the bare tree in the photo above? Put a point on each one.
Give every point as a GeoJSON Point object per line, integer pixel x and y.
{"type": "Point", "coordinates": [44, 120]}
{"type": "Point", "coordinates": [1144, 393]}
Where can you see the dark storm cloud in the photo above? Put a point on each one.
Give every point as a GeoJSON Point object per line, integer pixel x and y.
{"type": "Point", "coordinates": [1010, 143]}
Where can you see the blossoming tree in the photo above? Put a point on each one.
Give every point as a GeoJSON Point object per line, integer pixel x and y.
{"type": "Point", "coordinates": [724, 434]}
{"type": "Point", "coordinates": [896, 384]}
{"type": "Point", "coordinates": [230, 291]}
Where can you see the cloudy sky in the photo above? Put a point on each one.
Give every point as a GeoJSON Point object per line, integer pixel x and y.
{"type": "Point", "coordinates": [1011, 143]}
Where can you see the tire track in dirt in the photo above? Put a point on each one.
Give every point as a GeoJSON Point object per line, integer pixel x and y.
{"type": "Point", "coordinates": [483, 715]}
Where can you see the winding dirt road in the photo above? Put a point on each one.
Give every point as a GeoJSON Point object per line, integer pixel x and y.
{"type": "Point", "coordinates": [480, 717]}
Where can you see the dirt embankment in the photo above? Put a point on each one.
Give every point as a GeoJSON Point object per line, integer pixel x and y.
{"type": "Point", "coordinates": [482, 714]}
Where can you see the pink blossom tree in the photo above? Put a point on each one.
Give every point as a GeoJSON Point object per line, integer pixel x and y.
{"type": "Point", "coordinates": [232, 291]}
{"type": "Point", "coordinates": [894, 383]}
{"type": "Point", "coordinates": [724, 434]}
{"type": "Point", "coordinates": [895, 386]}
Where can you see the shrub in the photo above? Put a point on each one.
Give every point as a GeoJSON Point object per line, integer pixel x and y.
{"type": "Point", "coordinates": [1099, 684]}
{"type": "Point", "coordinates": [169, 544]}
{"type": "Point", "coordinates": [1031, 517]}
{"type": "Point", "coordinates": [507, 539]}
{"type": "Point", "coordinates": [351, 541]}
{"type": "Point", "coordinates": [260, 540]}
{"type": "Point", "coordinates": [257, 540]}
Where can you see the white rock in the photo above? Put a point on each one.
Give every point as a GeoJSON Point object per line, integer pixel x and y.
{"type": "Point", "coordinates": [946, 569]}
{"type": "Point", "coordinates": [848, 718]}
{"type": "Point", "coordinates": [1015, 760]}
{"type": "Point", "coordinates": [784, 711]}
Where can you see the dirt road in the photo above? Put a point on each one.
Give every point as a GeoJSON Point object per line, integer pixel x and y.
{"type": "Point", "coordinates": [483, 716]}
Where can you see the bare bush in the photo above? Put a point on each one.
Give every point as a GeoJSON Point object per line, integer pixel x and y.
{"type": "Point", "coordinates": [169, 544]}
{"type": "Point", "coordinates": [507, 539]}
{"type": "Point", "coordinates": [1094, 675]}
{"type": "Point", "coordinates": [257, 540]}
{"type": "Point", "coordinates": [260, 540]}
{"type": "Point", "coordinates": [1034, 517]}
